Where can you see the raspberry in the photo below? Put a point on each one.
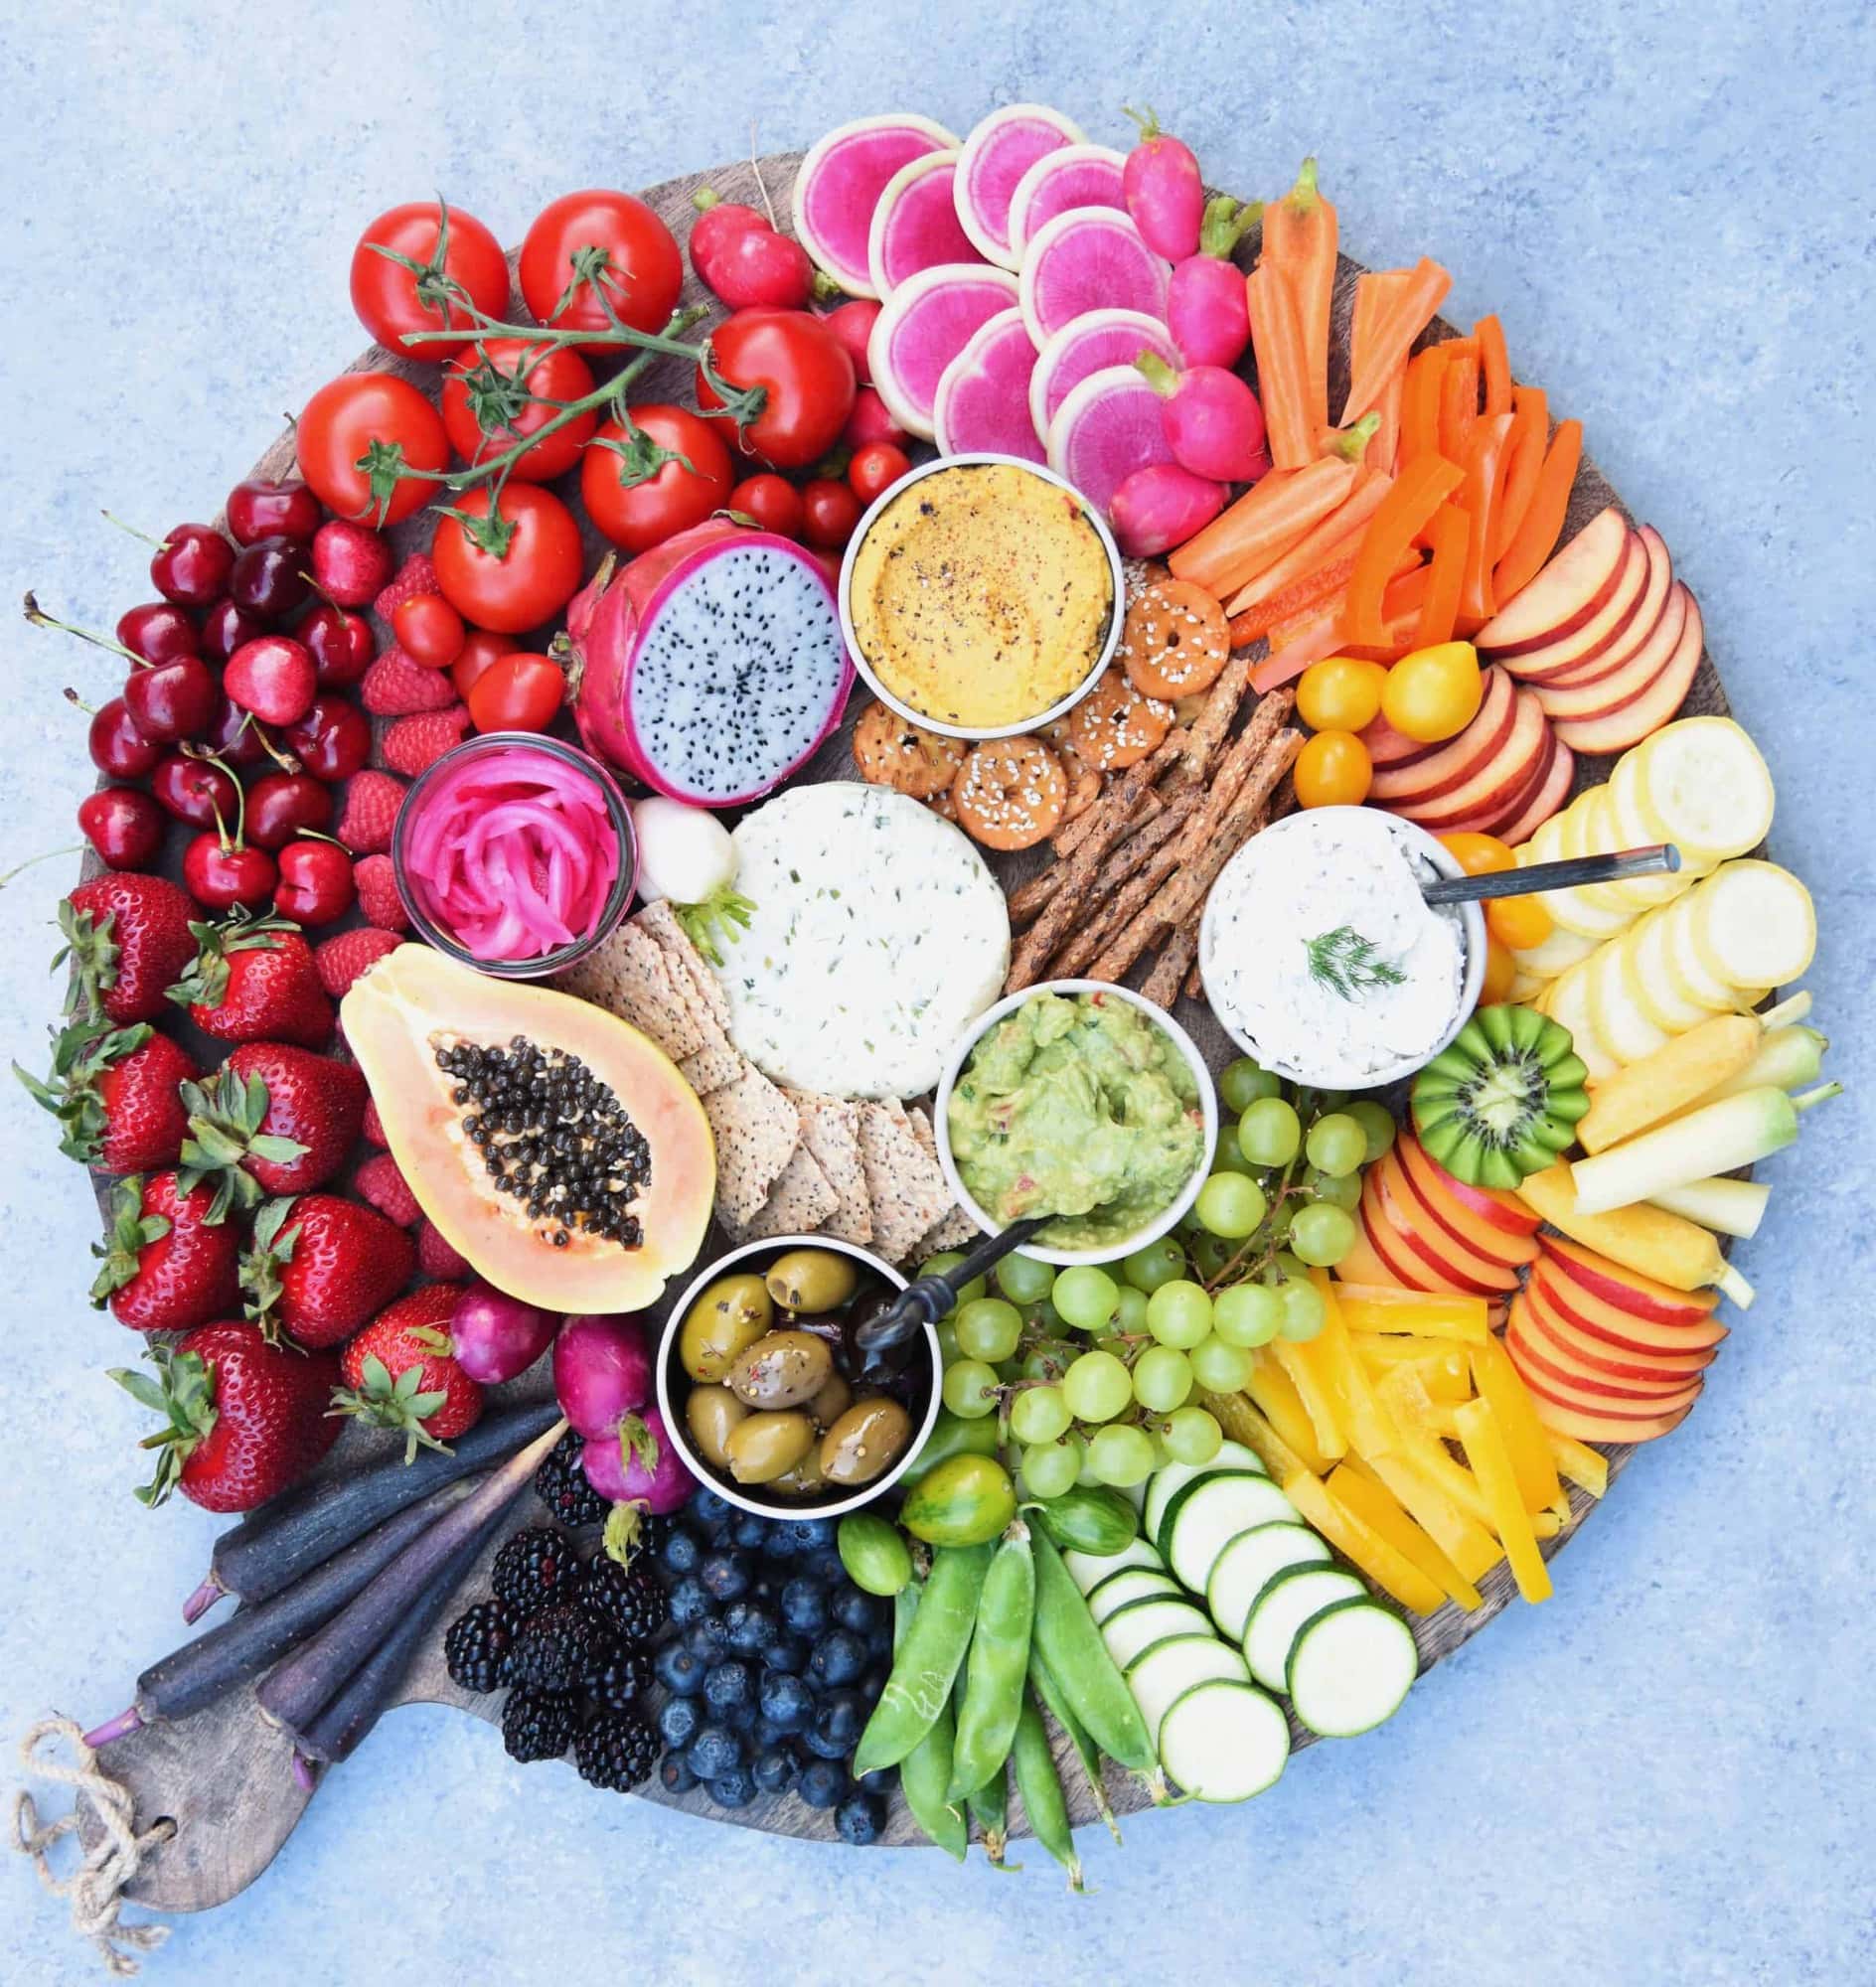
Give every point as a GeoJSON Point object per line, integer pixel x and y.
{"type": "Point", "coordinates": [381, 1182]}
{"type": "Point", "coordinates": [374, 1125]}
{"type": "Point", "coordinates": [371, 801]}
{"type": "Point", "coordinates": [340, 960]}
{"type": "Point", "coordinates": [395, 687]}
{"type": "Point", "coordinates": [377, 894]}
{"type": "Point", "coordinates": [435, 1258]}
{"type": "Point", "coordinates": [414, 744]}
{"type": "Point", "coordinates": [416, 575]}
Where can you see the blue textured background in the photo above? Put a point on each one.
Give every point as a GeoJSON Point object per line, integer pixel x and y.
{"type": "Point", "coordinates": [1666, 1773]}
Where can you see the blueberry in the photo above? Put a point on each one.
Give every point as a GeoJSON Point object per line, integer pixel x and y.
{"type": "Point", "coordinates": [839, 1715]}
{"type": "Point", "coordinates": [709, 1506]}
{"type": "Point", "coordinates": [787, 1653]}
{"type": "Point", "coordinates": [785, 1701]}
{"type": "Point", "coordinates": [680, 1552]}
{"type": "Point", "coordinates": [708, 1636]}
{"type": "Point", "coordinates": [678, 1720]}
{"type": "Point", "coordinates": [856, 1610]}
{"type": "Point", "coordinates": [736, 1788]}
{"type": "Point", "coordinates": [739, 1718]}
{"type": "Point", "coordinates": [689, 1601]}
{"type": "Point", "coordinates": [769, 1734]}
{"type": "Point", "coordinates": [817, 1741]}
{"type": "Point", "coordinates": [675, 1775]}
{"type": "Point", "coordinates": [730, 1686]}
{"type": "Point", "coordinates": [804, 1606]}
{"type": "Point", "coordinates": [724, 1576]}
{"type": "Point", "coordinates": [775, 1769]}
{"type": "Point", "coordinates": [873, 1681]}
{"type": "Point", "coordinates": [750, 1628]}
{"type": "Point", "coordinates": [749, 1531]}
{"type": "Point", "coordinates": [825, 1566]}
{"type": "Point", "coordinates": [822, 1783]}
{"type": "Point", "coordinates": [778, 1542]}
{"type": "Point", "coordinates": [837, 1658]}
{"type": "Point", "coordinates": [812, 1534]}
{"type": "Point", "coordinates": [860, 1818]}
{"type": "Point", "coordinates": [715, 1752]}
{"type": "Point", "coordinates": [680, 1670]}
{"type": "Point", "coordinates": [882, 1781]}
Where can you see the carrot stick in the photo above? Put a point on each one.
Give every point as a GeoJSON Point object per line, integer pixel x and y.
{"type": "Point", "coordinates": [1495, 364]}
{"type": "Point", "coordinates": [1306, 639]}
{"type": "Point", "coordinates": [1300, 238]}
{"type": "Point", "coordinates": [1282, 614]}
{"type": "Point", "coordinates": [1283, 369]}
{"type": "Point", "coordinates": [1262, 526]}
{"type": "Point", "coordinates": [1479, 496]}
{"type": "Point", "coordinates": [1373, 293]}
{"type": "Point", "coordinates": [1420, 407]}
{"type": "Point", "coordinates": [1530, 427]}
{"type": "Point", "coordinates": [1416, 494]}
{"type": "Point", "coordinates": [1413, 309]}
{"type": "Point", "coordinates": [1319, 543]}
{"type": "Point", "coordinates": [1459, 403]}
{"type": "Point", "coordinates": [1450, 530]}
{"type": "Point", "coordinates": [1536, 534]}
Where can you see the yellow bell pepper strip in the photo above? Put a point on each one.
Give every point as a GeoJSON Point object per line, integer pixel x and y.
{"type": "Point", "coordinates": [1300, 242]}
{"type": "Point", "coordinates": [1530, 434]}
{"type": "Point", "coordinates": [1444, 1373]}
{"type": "Point", "coordinates": [1546, 1525]}
{"type": "Point", "coordinates": [1435, 1463]}
{"type": "Point", "coordinates": [1318, 1401]}
{"type": "Point", "coordinates": [1376, 1508]}
{"type": "Point", "coordinates": [1367, 1424]}
{"type": "Point", "coordinates": [1423, 1313]}
{"type": "Point", "coordinates": [1536, 539]}
{"type": "Point", "coordinates": [1450, 533]}
{"type": "Point", "coordinates": [1391, 1571]}
{"type": "Point", "coordinates": [1472, 1549]}
{"type": "Point", "coordinates": [1406, 1399]}
{"type": "Point", "coordinates": [1413, 307]}
{"type": "Point", "coordinates": [1495, 364]}
{"type": "Point", "coordinates": [1505, 1391]}
{"type": "Point", "coordinates": [1276, 1397]}
{"type": "Point", "coordinates": [1485, 460]}
{"type": "Point", "coordinates": [1578, 1464]}
{"type": "Point", "coordinates": [1243, 1421]}
{"type": "Point", "coordinates": [1486, 1450]}
{"type": "Point", "coordinates": [1458, 399]}
{"type": "Point", "coordinates": [1418, 491]}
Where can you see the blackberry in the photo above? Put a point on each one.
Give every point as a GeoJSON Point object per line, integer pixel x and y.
{"type": "Point", "coordinates": [537, 1724]}
{"type": "Point", "coordinates": [628, 1600]}
{"type": "Point", "coordinates": [560, 1648]}
{"type": "Point", "coordinates": [534, 1569]}
{"type": "Point", "coordinates": [617, 1749]}
{"type": "Point", "coordinates": [624, 1680]}
{"type": "Point", "coordinates": [560, 1484]}
{"type": "Point", "coordinates": [477, 1647]}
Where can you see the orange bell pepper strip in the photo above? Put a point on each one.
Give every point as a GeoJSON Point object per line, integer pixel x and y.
{"type": "Point", "coordinates": [1459, 402]}
{"type": "Point", "coordinates": [1503, 1390]}
{"type": "Point", "coordinates": [1412, 310]}
{"type": "Point", "coordinates": [1357, 1541]}
{"type": "Point", "coordinates": [1450, 531]}
{"type": "Point", "coordinates": [1296, 610]}
{"type": "Point", "coordinates": [1324, 542]}
{"type": "Point", "coordinates": [1373, 293]}
{"type": "Point", "coordinates": [1494, 366]}
{"type": "Point", "coordinates": [1262, 526]}
{"type": "Point", "coordinates": [1486, 1450]}
{"type": "Point", "coordinates": [1400, 610]}
{"type": "Point", "coordinates": [1524, 463]}
{"type": "Point", "coordinates": [1479, 494]}
{"type": "Point", "coordinates": [1300, 240]}
{"type": "Point", "coordinates": [1417, 493]}
{"type": "Point", "coordinates": [1420, 405]}
{"type": "Point", "coordinates": [1283, 367]}
{"type": "Point", "coordinates": [1536, 537]}
{"type": "Point", "coordinates": [1375, 1506]}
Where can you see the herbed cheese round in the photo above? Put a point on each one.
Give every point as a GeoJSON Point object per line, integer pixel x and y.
{"type": "Point", "coordinates": [878, 936]}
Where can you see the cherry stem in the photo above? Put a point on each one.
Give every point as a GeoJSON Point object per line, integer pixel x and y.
{"type": "Point", "coordinates": [162, 544]}
{"type": "Point", "coordinates": [71, 697]}
{"type": "Point", "coordinates": [37, 615]}
{"type": "Point", "coordinates": [45, 856]}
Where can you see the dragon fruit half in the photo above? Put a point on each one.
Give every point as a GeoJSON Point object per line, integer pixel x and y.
{"type": "Point", "coordinates": [712, 666]}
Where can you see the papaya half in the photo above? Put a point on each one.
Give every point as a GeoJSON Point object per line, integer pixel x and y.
{"type": "Point", "coordinates": [555, 1148]}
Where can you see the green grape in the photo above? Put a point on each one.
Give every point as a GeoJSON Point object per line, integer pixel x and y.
{"type": "Point", "coordinates": [1085, 1471]}
{"type": "Point", "coordinates": [1231, 1205]}
{"type": "Point", "coordinates": [970, 1389]}
{"type": "Point", "coordinates": [1024, 1281]}
{"type": "Point", "coordinates": [1193, 1437]}
{"type": "Point", "coordinates": [1178, 1314]}
{"type": "Point", "coordinates": [942, 1265]}
{"type": "Point", "coordinates": [1270, 1131]}
{"type": "Point", "coordinates": [1322, 1234]}
{"type": "Point", "coordinates": [1048, 1359]}
{"type": "Point", "coordinates": [1243, 1082]}
{"type": "Point", "coordinates": [1163, 1377]}
{"type": "Point", "coordinates": [1246, 1314]}
{"type": "Point", "coordinates": [1039, 1414]}
{"type": "Point", "coordinates": [1161, 1454]}
{"type": "Point", "coordinates": [1086, 1297]}
{"type": "Point", "coordinates": [1343, 1191]}
{"type": "Point", "coordinates": [1219, 1366]}
{"type": "Point", "coordinates": [1050, 1467]}
{"type": "Point", "coordinates": [1229, 1154]}
{"type": "Point", "coordinates": [1131, 1317]}
{"type": "Point", "coordinates": [1291, 1268]}
{"type": "Point", "coordinates": [987, 1328]}
{"type": "Point", "coordinates": [1377, 1125]}
{"type": "Point", "coordinates": [948, 1354]}
{"type": "Point", "coordinates": [1042, 1317]}
{"type": "Point", "coordinates": [1212, 1254]}
{"type": "Point", "coordinates": [1097, 1387]}
{"type": "Point", "coordinates": [1302, 1311]}
{"type": "Point", "coordinates": [1121, 1456]}
{"type": "Point", "coordinates": [1158, 1263]}
{"type": "Point", "coordinates": [1336, 1144]}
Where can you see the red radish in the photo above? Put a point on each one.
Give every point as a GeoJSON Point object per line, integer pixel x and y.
{"type": "Point", "coordinates": [994, 158]}
{"type": "Point", "coordinates": [1207, 311]}
{"type": "Point", "coordinates": [915, 225]}
{"type": "Point", "coordinates": [1108, 427]}
{"type": "Point", "coordinates": [852, 325]}
{"type": "Point", "coordinates": [870, 421]}
{"type": "Point", "coordinates": [1213, 424]}
{"type": "Point", "coordinates": [496, 1336]}
{"type": "Point", "coordinates": [639, 1465]}
{"type": "Point", "coordinates": [273, 677]}
{"type": "Point", "coordinates": [983, 397]}
{"type": "Point", "coordinates": [1089, 258]}
{"type": "Point", "coordinates": [1159, 507]}
{"type": "Point", "coordinates": [1072, 176]}
{"type": "Point", "coordinates": [742, 259]}
{"type": "Point", "coordinates": [840, 184]}
{"type": "Point", "coordinates": [602, 1372]}
{"type": "Point", "coordinates": [927, 321]}
{"type": "Point", "coordinates": [124, 826]}
{"type": "Point", "coordinates": [352, 563]}
{"type": "Point", "coordinates": [1164, 190]}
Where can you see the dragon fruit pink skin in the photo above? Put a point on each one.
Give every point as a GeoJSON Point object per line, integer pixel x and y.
{"type": "Point", "coordinates": [764, 698]}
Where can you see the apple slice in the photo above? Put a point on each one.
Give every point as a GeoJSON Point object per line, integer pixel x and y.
{"type": "Point", "coordinates": [1554, 1357]}
{"type": "Point", "coordinates": [1566, 593]}
{"type": "Point", "coordinates": [1632, 676]}
{"type": "Point", "coordinates": [1544, 1376]}
{"type": "Point", "coordinates": [1581, 1426]}
{"type": "Point", "coordinates": [1362, 1264]}
{"type": "Point", "coordinates": [1620, 1361]}
{"type": "Point", "coordinates": [1388, 747]}
{"type": "Point", "coordinates": [1493, 820]}
{"type": "Point", "coordinates": [1548, 796]}
{"type": "Point", "coordinates": [1627, 1289]}
{"type": "Point", "coordinates": [1601, 634]}
{"type": "Point", "coordinates": [1504, 1211]}
{"type": "Point", "coordinates": [1497, 1238]}
{"type": "Point", "coordinates": [1628, 723]}
{"type": "Point", "coordinates": [1439, 1253]}
{"type": "Point", "coordinates": [1501, 777]}
{"type": "Point", "coordinates": [1642, 624]}
{"type": "Point", "coordinates": [1451, 763]}
{"type": "Point", "coordinates": [1401, 1264]}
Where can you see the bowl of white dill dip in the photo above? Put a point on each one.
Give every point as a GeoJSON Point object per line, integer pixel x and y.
{"type": "Point", "coordinates": [1323, 959]}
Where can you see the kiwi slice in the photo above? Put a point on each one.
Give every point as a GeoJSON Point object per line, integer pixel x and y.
{"type": "Point", "coordinates": [1503, 1100]}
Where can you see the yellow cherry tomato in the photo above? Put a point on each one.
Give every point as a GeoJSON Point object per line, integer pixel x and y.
{"type": "Point", "coordinates": [1500, 971]}
{"type": "Point", "coordinates": [1435, 692]}
{"type": "Point", "coordinates": [1520, 922]}
{"type": "Point", "coordinates": [1333, 770]}
{"type": "Point", "coordinates": [1339, 694]}
{"type": "Point", "coordinates": [1478, 855]}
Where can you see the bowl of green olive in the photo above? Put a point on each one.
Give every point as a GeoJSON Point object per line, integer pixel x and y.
{"type": "Point", "coordinates": [766, 1389]}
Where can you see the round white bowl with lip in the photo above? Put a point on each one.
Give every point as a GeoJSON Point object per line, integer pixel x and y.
{"type": "Point", "coordinates": [671, 1376]}
{"type": "Point", "coordinates": [1472, 922]}
{"type": "Point", "coordinates": [1174, 1210]}
{"type": "Point", "coordinates": [1117, 579]}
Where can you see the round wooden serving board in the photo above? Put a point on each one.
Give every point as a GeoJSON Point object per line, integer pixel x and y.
{"type": "Point", "coordinates": [225, 1775]}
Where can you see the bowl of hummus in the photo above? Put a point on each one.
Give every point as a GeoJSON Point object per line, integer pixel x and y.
{"type": "Point", "coordinates": [1083, 1099]}
{"type": "Point", "coordinates": [1322, 959]}
{"type": "Point", "coordinates": [981, 596]}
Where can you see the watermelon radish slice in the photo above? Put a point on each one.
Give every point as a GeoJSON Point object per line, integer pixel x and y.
{"type": "Point", "coordinates": [915, 225]}
{"type": "Point", "coordinates": [1089, 258]}
{"type": "Point", "coordinates": [997, 154]}
{"type": "Point", "coordinates": [1098, 339]}
{"type": "Point", "coordinates": [983, 399]}
{"type": "Point", "coordinates": [1105, 430]}
{"type": "Point", "coordinates": [840, 184]}
{"type": "Point", "coordinates": [1073, 175]}
{"type": "Point", "coordinates": [925, 323]}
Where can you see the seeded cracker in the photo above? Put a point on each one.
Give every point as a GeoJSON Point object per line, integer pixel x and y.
{"type": "Point", "coordinates": [829, 1128]}
{"type": "Point", "coordinates": [627, 975]}
{"type": "Point", "coordinates": [907, 1191]}
{"type": "Point", "coordinates": [800, 1201]}
{"type": "Point", "coordinates": [756, 1133]}
{"type": "Point", "coordinates": [711, 1069]}
{"type": "Point", "coordinates": [955, 1230]}
{"type": "Point", "coordinates": [688, 968]}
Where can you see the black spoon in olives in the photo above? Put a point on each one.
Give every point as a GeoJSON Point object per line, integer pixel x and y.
{"type": "Point", "coordinates": [893, 1325]}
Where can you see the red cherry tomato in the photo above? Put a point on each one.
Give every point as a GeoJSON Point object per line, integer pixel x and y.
{"type": "Point", "coordinates": [806, 377]}
{"type": "Point", "coordinates": [683, 471]}
{"type": "Point", "coordinates": [830, 511]}
{"type": "Point", "coordinates": [772, 501]}
{"type": "Point", "coordinates": [479, 648]}
{"type": "Point", "coordinates": [493, 397]}
{"type": "Point", "coordinates": [383, 422]}
{"type": "Point", "coordinates": [871, 420]}
{"type": "Point", "coordinates": [451, 248]}
{"type": "Point", "coordinates": [852, 323]}
{"type": "Point", "coordinates": [519, 692]}
{"type": "Point", "coordinates": [521, 567]}
{"type": "Point", "coordinates": [589, 250]}
{"type": "Point", "coordinates": [875, 468]}
{"type": "Point", "coordinates": [428, 630]}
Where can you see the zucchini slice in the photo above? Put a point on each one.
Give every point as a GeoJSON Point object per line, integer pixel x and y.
{"type": "Point", "coordinates": [1132, 1583]}
{"type": "Point", "coordinates": [1132, 1631]}
{"type": "Point", "coordinates": [1351, 1667]}
{"type": "Point", "coordinates": [1250, 1562]}
{"type": "Point", "coordinates": [1206, 1516]}
{"type": "Point", "coordinates": [1160, 1676]}
{"type": "Point", "coordinates": [1086, 1570]}
{"type": "Point", "coordinates": [1286, 1603]}
{"type": "Point", "coordinates": [1176, 1475]}
{"type": "Point", "coordinates": [1224, 1740]}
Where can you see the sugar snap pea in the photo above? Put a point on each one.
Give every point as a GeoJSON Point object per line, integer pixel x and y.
{"type": "Point", "coordinates": [1042, 1791]}
{"type": "Point", "coordinates": [998, 1664]}
{"type": "Point", "coordinates": [925, 1773]}
{"type": "Point", "coordinates": [990, 1809]}
{"type": "Point", "coordinates": [1078, 1660]}
{"type": "Point", "coordinates": [920, 1688]}
{"type": "Point", "coordinates": [1088, 1753]}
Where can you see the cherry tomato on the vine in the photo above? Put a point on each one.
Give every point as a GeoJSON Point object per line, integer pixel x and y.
{"type": "Point", "coordinates": [481, 648]}
{"type": "Point", "coordinates": [1333, 770]}
{"type": "Point", "coordinates": [668, 472]}
{"type": "Point", "coordinates": [588, 251]}
{"type": "Point", "coordinates": [805, 375]}
{"type": "Point", "coordinates": [453, 253]}
{"type": "Point", "coordinates": [493, 397]}
{"type": "Point", "coordinates": [382, 421]}
{"type": "Point", "coordinates": [428, 630]}
{"type": "Point", "coordinates": [875, 468]}
{"type": "Point", "coordinates": [829, 512]}
{"type": "Point", "coordinates": [521, 567]}
{"type": "Point", "coordinates": [772, 501]}
{"type": "Point", "coordinates": [519, 692]}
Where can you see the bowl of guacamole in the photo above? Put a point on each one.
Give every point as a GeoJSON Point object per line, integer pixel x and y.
{"type": "Point", "coordinates": [1083, 1099]}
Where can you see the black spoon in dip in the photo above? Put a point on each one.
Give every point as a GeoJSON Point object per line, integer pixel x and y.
{"type": "Point", "coordinates": [1577, 873]}
{"type": "Point", "coordinates": [927, 1298]}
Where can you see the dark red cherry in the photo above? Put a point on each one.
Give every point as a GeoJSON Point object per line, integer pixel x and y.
{"type": "Point", "coordinates": [269, 577]}
{"type": "Point", "coordinates": [158, 632]}
{"type": "Point", "coordinates": [333, 740]}
{"type": "Point", "coordinates": [194, 791]}
{"type": "Point", "coordinates": [123, 826]}
{"type": "Point", "coordinates": [171, 700]}
{"type": "Point", "coordinates": [316, 883]}
{"type": "Point", "coordinates": [226, 627]}
{"type": "Point", "coordinates": [233, 735]}
{"type": "Point", "coordinates": [340, 644]}
{"type": "Point", "coordinates": [192, 565]}
{"type": "Point", "coordinates": [280, 805]}
{"type": "Point", "coordinates": [258, 508]}
{"type": "Point", "coordinates": [118, 747]}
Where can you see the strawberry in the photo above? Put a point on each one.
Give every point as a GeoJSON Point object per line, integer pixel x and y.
{"type": "Point", "coordinates": [381, 1181]}
{"type": "Point", "coordinates": [246, 1419]}
{"type": "Point", "coordinates": [414, 744]}
{"type": "Point", "coordinates": [113, 1090]}
{"type": "Point", "coordinates": [377, 894]}
{"type": "Point", "coordinates": [271, 1117]}
{"type": "Point", "coordinates": [127, 936]}
{"type": "Point", "coordinates": [435, 1257]}
{"type": "Point", "coordinates": [371, 801]}
{"type": "Point", "coordinates": [374, 1125]}
{"type": "Point", "coordinates": [340, 960]}
{"type": "Point", "coordinates": [254, 979]}
{"type": "Point", "coordinates": [401, 1372]}
{"type": "Point", "coordinates": [416, 575]}
{"type": "Point", "coordinates": [321, 1265]}
{"type": "Point", "coordinates": [395, 687]}
{"type": "Point", "coordinates": [166, 1265]}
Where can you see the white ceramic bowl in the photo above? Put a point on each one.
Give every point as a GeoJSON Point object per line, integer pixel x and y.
{"type": "Point", "coordinates": [1169, 1216]}
{"type": "Point", "coordinates": [673, 1383]}
{"type": "Point", "coordinates": [1471, 920]}
{"type": "Point", "coordinates": [1115, 612]}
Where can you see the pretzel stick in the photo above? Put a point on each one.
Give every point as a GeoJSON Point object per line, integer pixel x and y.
{"type": "Point", "coordinates": [1159, 823]}
{"type": "Point", "coordinates": [1123, 795]}
{"type": "Point", "coordinates": [1162, 982]}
